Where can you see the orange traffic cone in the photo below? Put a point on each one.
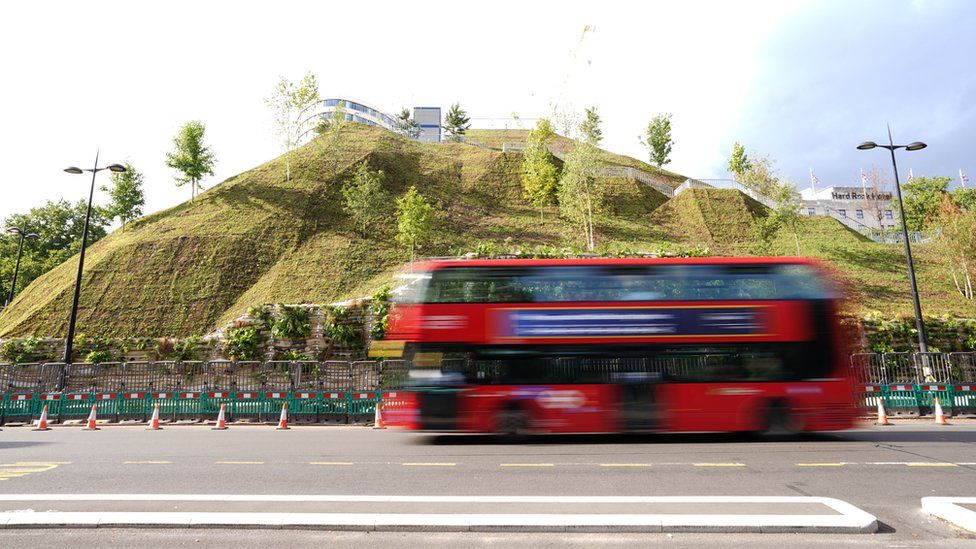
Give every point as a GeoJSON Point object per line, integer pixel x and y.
{"type": "Point", "coordinates": [940, 418]}
{"type": "Point", "coordinates": [882, 416]}
{"type": "Point", "coordinates": [91, 421]}
{"type": "Point", "coordinates": [221, 420]}
{"type": "Point", "coordinates": [283, 419]}
{"type": "Point", "coordinates": [42, 423]}
{"type": "Point", "coordinates": [154, 420]}
{"type": "Point", "coordinates": [378, 418]}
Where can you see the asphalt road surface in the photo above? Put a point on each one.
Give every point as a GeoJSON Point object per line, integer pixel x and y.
{"type": "Point", "coordinates": [884, 471]}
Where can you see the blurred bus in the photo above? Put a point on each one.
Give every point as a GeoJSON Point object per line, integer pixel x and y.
{"type": "Point", "coordinates": [615, 345]}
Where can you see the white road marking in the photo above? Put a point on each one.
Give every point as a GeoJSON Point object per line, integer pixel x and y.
{"type": "Point", "coordinates": [949, 509]}
{"type": "Point", "coordinates": [847, 518]}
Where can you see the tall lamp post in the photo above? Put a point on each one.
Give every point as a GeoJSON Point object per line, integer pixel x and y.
{"type": "Point", "coordinates": [914, 146]}
{"type": "Point", "coordinates": [20, 250]}
{"type": "Point", "coordinates": [118, 168]}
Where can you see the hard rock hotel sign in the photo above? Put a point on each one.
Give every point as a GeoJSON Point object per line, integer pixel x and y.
{"type": "Point", "coordinates": [858, 206]}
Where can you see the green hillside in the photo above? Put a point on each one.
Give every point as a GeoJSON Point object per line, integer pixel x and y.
{"type": "Point", "coordinates": [257, 239]}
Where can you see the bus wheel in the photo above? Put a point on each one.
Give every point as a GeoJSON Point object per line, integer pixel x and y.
{"type": "Point", "coordinates": [778, 421]}
{"type": "Point", "coordinates": [512, 422]}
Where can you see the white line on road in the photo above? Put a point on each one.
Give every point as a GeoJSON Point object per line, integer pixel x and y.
{"type": "Point", "coordinates": [848, 518]}
{"type": "Point", "coordinates": [355, 498]}
{"type": "Point", "coordinates": [949, 509]}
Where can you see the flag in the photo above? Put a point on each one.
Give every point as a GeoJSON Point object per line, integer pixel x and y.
{"type": "Point", "coordinates": [813, 180]}
{"type": "Point", "coordinates": [864, 178]}
{"type": "Point", "coordinates": [963, 178]}
{"type": "Point", "coordinates": [911, 176]}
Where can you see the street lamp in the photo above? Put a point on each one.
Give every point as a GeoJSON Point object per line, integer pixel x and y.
{"type": "Point", "coordinates": [20, 250]}
{"type": "Point", "coordinates": [913, 146]}
{"type": "Point", "coordinates": [117, 168]}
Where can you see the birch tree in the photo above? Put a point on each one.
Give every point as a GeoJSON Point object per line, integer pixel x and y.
{"type": "Point", "coordinates": [290, 103]}
{"type": "Point", "coordinates": [581, 194]}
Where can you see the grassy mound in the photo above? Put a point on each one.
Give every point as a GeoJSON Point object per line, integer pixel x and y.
{"type": "Point", "coordinates": [256, 238]}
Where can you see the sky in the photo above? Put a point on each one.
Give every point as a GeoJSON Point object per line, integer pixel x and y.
{"type": "Point", "coordinates": [800, 81]}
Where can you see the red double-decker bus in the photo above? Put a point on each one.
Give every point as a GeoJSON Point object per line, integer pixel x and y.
{"type": "Point", "coordinates": [614, 345]}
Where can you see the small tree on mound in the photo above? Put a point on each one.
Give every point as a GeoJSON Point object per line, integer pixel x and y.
{"type": "Point", "coordinates": [414, 220]}
{"type": "Point", "coordinates": [456, 122]}
{"type": "Point", "coordinates": [658, 139]}
{"type": "Point", "coordinates": [581, 194]}
{"type": "Point", "coordinates": [787, 212]}
{"type": "Point", "coordinates": [738, 162]}
{"type": "Point", "coordinates": [290, 103]}
{"type": "Point", "coordinates": [540, 174]}
{"type": "Point", "coordinates": [363, 197]}
{"type": "Point", "coordinates": [126, 193]}
{"type": "Point", "coordinates": [191, 157]}
{"type": "Point", "coordinates": [406, 125]}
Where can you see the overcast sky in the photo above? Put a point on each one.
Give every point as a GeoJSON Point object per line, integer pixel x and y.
{"type": "Point", "coordinates": [801, 81]}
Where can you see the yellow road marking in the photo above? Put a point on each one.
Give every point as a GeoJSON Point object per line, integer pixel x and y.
{"type": "Point", "coordinates": [240, 463]}
{"type": "Point", "coordinates": [930, 464]}
{"type": "Point", "coordinates": [625, 465]}
{"type": "Point", "coordinates": [719, 464]}
{"type": "Point", "coordinates": [429, 464]}
{"type": "Point", "coordinates": [819, 464]}
{"type": "Point", "coordinates": [147, 462]}
{"type": "Point", "coordinates": [330, 463]}
{"type": "Point", "coordinates": [23, 468]}
{"type": "Point", "coordinates": [526, 465]}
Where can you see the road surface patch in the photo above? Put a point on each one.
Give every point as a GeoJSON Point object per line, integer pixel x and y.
{"type": "Point", "coordinates": [951, 510]}
{"type": "Point", "coordinates": [820, 464]}
{"type": "Point", "coordinates": [419, 464]}
{"type": "Point", "coordinates": [719, 464]}
{"type": "Point", "coordinates": [526, 465]}
{"type": "Point", "coordinates": [625, 464]}
{"type": "Point", "coordinates": [146, 462]}
{"type": "Point", "coordinates": [239, 463]}
{"type": "Point", "coordinates": [580, 513]}
{"type": "Point", "coordinates": [331, 463]}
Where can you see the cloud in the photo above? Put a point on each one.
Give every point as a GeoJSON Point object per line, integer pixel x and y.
{"type": "Point", "coordinates": [835, 73]}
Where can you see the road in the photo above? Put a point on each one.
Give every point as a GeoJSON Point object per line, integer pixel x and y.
{"type": "Point", "coordinates": [884, 471]}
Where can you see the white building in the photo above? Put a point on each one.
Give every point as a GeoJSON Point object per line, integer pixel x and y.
{"type": "Point", "coordinates": [864, 206]}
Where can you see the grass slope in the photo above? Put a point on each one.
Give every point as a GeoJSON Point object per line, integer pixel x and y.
{"type": "Point", "coordinates": [256, 238]}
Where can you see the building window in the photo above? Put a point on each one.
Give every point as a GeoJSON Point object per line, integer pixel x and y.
{"type": "Point", "coordinates": [888, 214]}
{"type": "Point", "coordinates": [859, 214]}
{"type": "Point", "coordinates": [810, 211]}
{"type": "Point", "coordinates": [843, 213]}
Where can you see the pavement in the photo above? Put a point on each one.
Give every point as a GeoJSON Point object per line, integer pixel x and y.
{"type": "Point", "coordinates": [884, 471]}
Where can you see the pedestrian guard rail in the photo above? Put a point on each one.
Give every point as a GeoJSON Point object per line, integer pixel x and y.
{"type": "Point", "coordinates": [343, 391]}
{"type": "Point", "coordinates": [333, 391]}
{"type": "Point", "coordinates": [909, 383]}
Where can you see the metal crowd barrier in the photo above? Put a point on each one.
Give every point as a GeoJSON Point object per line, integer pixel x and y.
{"type": "Point", "coordinates": [340, 391]}
{"type": "Point", "coordinates": [909, 383]}
{"type": "Point", "coordinates": [333, 391]}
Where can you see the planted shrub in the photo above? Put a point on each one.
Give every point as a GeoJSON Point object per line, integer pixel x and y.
{"type": "Point", "coordinates": [242, 343]}
{"type": "Point", "coordinates": [293, 323]}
